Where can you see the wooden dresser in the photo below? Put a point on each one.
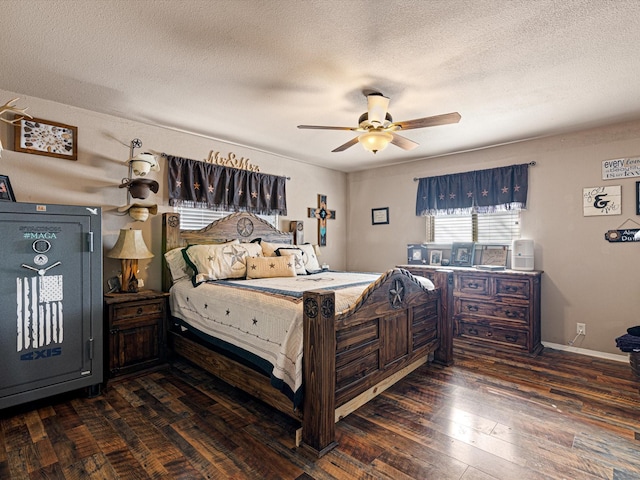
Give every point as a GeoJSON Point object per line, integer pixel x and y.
{"type": "Point", "coordinates": [135, 331]}
{"type": "Point", "coordinates": [500, 309]}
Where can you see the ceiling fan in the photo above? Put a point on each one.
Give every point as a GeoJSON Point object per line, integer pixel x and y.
{"type": "Point", "coordinates": [379, 129]}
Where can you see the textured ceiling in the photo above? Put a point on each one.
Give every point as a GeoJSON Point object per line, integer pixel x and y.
{"type": "Point", "coordinates": [249, 72]}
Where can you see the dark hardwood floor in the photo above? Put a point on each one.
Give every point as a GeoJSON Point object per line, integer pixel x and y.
{"type": "Point", "coordinates": [491, 416]}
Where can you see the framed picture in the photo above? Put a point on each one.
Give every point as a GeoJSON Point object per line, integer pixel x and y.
{"type": "Point", "coordinates": [379, 216]}
{"type": "Point", "coordinates": [417, 254]}
{"type": "Point", "coordinates": [44, 137]}
{"type": "Point", "coordinates": [637, 198]}
{"type": "Point", "coordinates": [494, 255]}
{"type": "Point", "coordinates": [435, 257]}
{"type": "Point", "coordinates": [6, 192]}
{"type": "Point", "coordinates": [462, 254]}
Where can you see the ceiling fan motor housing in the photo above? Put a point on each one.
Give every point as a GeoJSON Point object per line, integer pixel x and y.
{"type": "Point", "coordinates": [363, 121]}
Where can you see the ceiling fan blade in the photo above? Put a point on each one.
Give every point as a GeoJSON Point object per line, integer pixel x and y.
{"type": "Point", "coordinates": [321, 127]}
{"type": "Point", "coordinates": [350, 143]}
{"type": "Point", "coordinates": [377, 106]}
{"type": "Point", "coordinates": [436, 120]}
{"type": "Point", "coordinates": [403, 142]}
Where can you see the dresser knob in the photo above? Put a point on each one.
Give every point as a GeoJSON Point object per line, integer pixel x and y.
{"type": "Point", "coordinates": [139, 312]}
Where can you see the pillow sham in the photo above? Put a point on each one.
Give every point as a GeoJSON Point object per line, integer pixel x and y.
{"type": "Point", "coordinates": [269, 249]}
{"type": "Point", "coordinates": [216, 262]}
{"type": "Point", "coordinates": [297, 255]}
{"type": "Point", "coordinates": [177, 266]}
{"type": "Point", "coordinates": [253, 249]}
{"type": "Point", "coordinates": [310, 260]}
{"type": "Point", "coordinates": [270, 267]}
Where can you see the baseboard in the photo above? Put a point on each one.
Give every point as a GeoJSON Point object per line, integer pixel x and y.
{"type": "Point", "coordinates": [590, 353]}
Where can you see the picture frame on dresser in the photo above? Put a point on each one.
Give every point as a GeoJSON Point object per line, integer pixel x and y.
{"type": "Point", "coordinates": [417, 254]}
{"type": "Point", "coordinates": [435, 257]}
{"type": "Point", "coordinates": [462, 254]}
{"type": "Point", "coordinates": [494, 255]}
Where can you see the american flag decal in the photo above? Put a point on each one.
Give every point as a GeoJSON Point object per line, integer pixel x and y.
{"type": "Point", "coordinates": [39, 311]}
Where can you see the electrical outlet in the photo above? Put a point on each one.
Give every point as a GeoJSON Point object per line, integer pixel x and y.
{"type": "Point", "coordinates": [581, 328]}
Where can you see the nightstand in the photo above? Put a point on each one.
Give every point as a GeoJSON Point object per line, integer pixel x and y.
{"type": "Point", "coordinates": [135, 331]}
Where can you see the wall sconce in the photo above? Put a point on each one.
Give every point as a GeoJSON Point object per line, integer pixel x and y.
{"type": "Point", "coordinates": [140, 188]}
{"type": "Point", "coordinates": [129, 248]}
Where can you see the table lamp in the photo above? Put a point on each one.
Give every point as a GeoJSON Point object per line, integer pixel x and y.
{"type": "Point", "coordinates": [129, 248]}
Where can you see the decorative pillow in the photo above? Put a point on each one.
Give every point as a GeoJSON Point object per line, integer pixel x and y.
{"type": "Point", "coordinates": [310, 260]}
{"type": "Point", "coordinates": [177, 266]}
{"type": "Point", "coordinates": [269, 267]}
{"type": "Point", "coordinates": [253, 249]}
{"type": "Point", "coordinates": [269, 249]}
{"type": "Point", "coordinates": [297, 255]}
{"type": "Point", "coordinates": [216, 262]}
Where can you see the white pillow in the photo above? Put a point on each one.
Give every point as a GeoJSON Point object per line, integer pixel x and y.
{"type": "Point", "coordinates": [297, 255]}
{"type": "Point", "coordinates": [216, 262]}
{"type": "Point", "coordinates": [309, 258]}
{"type": "Point", "coordinates": [269, 267]}
{"type": "Point", "coordinates": [177, 266]}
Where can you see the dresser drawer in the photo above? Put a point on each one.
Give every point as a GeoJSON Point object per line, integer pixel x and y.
{"type": "Point", "coordinates": [514, 288]}
{"type": "Point", "coordinates": [513, 338]}
{"type": "Point", "coordinates": [136, 309]}
{"type": "Point", "coordinates": [472, 284]}
{"type": "Point", "coordinates": [510, 313]}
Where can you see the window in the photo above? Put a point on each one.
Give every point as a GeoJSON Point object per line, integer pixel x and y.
{"type": "Point", "coordinates": [197, 218]}
{"type": "Point", "coordinates": [488, 228]}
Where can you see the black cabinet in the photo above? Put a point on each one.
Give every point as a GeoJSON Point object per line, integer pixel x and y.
{"type": "Point", "coordinates": [50, 300]}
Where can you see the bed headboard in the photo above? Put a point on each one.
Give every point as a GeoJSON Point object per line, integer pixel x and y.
{"type": "Point", "coordinates": [241, 225]}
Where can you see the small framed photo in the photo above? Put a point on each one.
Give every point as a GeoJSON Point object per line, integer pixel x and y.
{"type": "Point", "coordinates": [6, 192]}
{"type": "Point", "coordinates": [494, 255]}
{"type": "Point", "coordinates": [417, 254]}
{"type": "Point", "coordinates": [435, 257]}
{"type": "Point", "coordinates": [379, 216]}
{"type": "Point", "coordinates": [462, 254]}
{"type": "Point", "coordinates": [44, 137]}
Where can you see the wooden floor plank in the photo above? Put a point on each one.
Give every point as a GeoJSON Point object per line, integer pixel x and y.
{"type": "Point", "coordinates": [493, 415]}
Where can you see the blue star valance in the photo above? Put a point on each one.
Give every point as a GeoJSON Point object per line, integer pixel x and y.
{"type": "Point", "coordinates": [204, 185]}
{"type": "Point", "coordinates": [481, 191]}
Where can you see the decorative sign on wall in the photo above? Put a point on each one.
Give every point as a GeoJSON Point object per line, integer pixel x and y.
{"type": "Point", "coordinates": [626, 235]}
{"type": "Point", "coordinates": [621, 168]}
{"type": "Point", "coordinates": [602, 201]}
{"type": "Point", "coordinates": [231, 161]}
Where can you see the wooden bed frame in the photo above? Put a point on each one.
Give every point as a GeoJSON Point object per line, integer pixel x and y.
{"type": "Point", "coordinates": [349, 357]}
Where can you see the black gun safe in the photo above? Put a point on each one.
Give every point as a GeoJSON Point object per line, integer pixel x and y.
{"type": "Point", "coordinates": [50, 300]}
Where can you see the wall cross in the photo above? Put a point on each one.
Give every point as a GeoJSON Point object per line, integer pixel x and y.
{"type": "Point", "coordinates": [322, 214]}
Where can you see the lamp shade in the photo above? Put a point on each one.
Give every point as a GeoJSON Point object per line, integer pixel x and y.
{"type": "Point", "coordinates": [375, 140]}
{"type": "Point", "coordinates": [130, 246]}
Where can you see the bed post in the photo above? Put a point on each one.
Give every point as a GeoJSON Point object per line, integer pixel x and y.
{"type": "Point", "coordinates": [319, 364]}
{"type": "Point", "coordinates": [443, 279]}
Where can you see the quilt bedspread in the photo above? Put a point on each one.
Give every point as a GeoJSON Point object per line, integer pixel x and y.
{"type": "Point", "coordinates": [261, 319]}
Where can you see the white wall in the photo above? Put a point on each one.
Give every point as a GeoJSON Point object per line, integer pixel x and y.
{"type": "Point", "coordinates": [103, 149]}
{"type": "Point", "coordinates": [586, 279]}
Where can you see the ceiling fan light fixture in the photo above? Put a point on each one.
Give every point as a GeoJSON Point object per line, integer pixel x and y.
{"type": "Point", "coordinates": [375, 140]}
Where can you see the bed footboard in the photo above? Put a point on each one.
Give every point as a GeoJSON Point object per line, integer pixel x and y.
{"type": "Point", "coordinates": [390, 331]}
